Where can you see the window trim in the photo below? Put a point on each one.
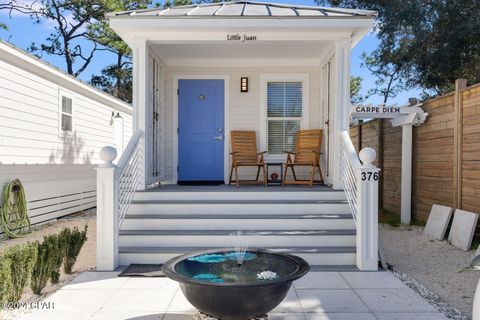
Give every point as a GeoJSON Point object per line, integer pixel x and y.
{"type": "Point", "coordinates": [304, 78]}
{"type": "Point", "coordinates": [64, 93]}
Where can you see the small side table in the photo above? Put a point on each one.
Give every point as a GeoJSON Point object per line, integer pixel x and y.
{"type": "Point", "coordinates": [279, 180]}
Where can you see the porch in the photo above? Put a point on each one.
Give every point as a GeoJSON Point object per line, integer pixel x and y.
{"type": "Point", "coordinates": [204, 70]}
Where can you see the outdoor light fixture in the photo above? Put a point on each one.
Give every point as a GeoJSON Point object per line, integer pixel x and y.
{"type": "Point", "coordinates": [243, 84]}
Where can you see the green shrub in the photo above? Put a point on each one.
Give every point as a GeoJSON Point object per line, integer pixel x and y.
{"type": "Point", "coordinates": [56, 259]}
{"type": "Point", "coordinates": [49, 252]}
{"type": "Point", "coordinates": [72, 242]}
{"type": "Point", "coordinates": [22, 259]}
{"type": "Point", "coordinates": [5, 280]}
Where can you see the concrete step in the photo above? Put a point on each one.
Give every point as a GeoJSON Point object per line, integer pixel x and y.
{"type": "Point", "coordinates": [240, 194]}
{"type": "Point", "coordinates": [217, 238]}
{"type": "Point", "coordinates": [232, 221]}
{"type": "Point", "coordinates": [325, 256]}
{"type": "Point", "coordinates": [238, 206]}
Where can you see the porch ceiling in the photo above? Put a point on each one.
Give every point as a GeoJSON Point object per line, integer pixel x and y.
{"type": "Point", "coordinates": [274, 53]}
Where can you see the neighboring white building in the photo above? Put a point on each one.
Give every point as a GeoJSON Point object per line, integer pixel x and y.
{"type": "Point", "coordinates": [52, 127]}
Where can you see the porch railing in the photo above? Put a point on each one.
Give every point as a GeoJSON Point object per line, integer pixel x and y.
{"type": "Point", "coordinates": [360, 181]}
{"type": "Point", "coordinates": [116, 186]}
{"type": "Point", "coordinates": [129, 174]}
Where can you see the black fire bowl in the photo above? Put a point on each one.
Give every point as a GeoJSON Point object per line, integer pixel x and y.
{"type": "Point", "coordinates": [238, 300]}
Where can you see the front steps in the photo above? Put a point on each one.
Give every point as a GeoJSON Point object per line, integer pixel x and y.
{"type": "Point", "coordinates": [315, 225]}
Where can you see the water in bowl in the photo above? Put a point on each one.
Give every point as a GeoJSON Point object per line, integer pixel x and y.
{"type": "Point", "coordinates": [223, 267]}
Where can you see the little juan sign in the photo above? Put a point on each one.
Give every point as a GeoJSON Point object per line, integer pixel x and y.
{"type": "Point", "coordinates": [242, 38]}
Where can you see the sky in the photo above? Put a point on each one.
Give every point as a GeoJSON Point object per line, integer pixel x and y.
{"type": "Point", "coordinates": [23, 31]}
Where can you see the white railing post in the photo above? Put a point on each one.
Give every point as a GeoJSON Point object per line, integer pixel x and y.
{"type": "Point", "coordinates": [367, 216]}
{"type": "Point", "coordinates": [107, 211]}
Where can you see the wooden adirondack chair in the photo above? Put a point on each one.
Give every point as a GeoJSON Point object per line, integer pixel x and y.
{"type": "Point", "coordinates": [244, 154]}
{"type": "Point", "coordinates": [307, 154]}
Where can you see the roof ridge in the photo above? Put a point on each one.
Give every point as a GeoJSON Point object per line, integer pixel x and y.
{"type": "Point", "coordinates": [293, 7]}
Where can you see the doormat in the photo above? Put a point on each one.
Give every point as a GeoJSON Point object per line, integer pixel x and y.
{"type": "Point", "coordinates": [200, 183]}
{"type": "Point", "coordinates": [143, 270]}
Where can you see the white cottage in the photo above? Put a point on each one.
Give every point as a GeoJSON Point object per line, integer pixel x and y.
{"type": "Point", "coordinates": [203, 70]}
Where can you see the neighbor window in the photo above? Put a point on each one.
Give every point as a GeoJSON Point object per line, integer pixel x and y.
{"type": "Point", "coordinates": [66, 114]}
{"type": "Point", "coordinates": [284, 115]}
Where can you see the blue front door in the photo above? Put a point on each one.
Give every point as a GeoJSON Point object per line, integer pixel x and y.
{"type": "Point", "coordinates": [200, 130]}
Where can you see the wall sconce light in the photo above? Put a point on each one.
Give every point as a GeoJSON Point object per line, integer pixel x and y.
{"type": "Point", "coordinates": [243, 84]}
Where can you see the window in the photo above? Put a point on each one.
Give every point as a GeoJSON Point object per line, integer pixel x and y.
{"type": "Point", "coordinates": [284, 115]}
{"type": "Point", "coordinates": [66, 113]}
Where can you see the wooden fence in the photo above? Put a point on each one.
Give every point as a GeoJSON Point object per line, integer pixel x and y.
{"type": "Point", "coordinates": [446, 154]}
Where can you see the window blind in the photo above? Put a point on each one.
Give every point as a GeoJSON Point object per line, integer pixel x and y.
{"type": "Point", "coordinates": [284, 113]}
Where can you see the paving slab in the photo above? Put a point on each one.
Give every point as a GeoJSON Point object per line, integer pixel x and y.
{"type": "Point", "coordinates": [321, 280]}
{"type": "Point", "coordinates": [291, 304]}
{"type": "Point", "coordinates": [148, 283]}
{"type": "Point", "coordinates": [178, 316]}
{"type": "Point", "coordinates": [116, 315]}
{"type": "Point", "coordinates": [48, 315]}
{"type": "Point", "coordinates": [324, 301]}
{"type": "Point", "coordinates": [153, 300]}
{"type": "Point", "coordinates": [394, 300]}
{"type": "Point", "coordinates": [372, 280]}
{"type": "Point", "coordinates": [438, 221]}
{"type": "Point", "coordinates": [80, 301]}
{"type": "Point", "coordinates": [180, 304]}
{"type": "Point", "coordinates": [410, 316]}
{"type": "Point", "coordinates": [286, 316]}
{"type": "Point", "coordinates": [96, 280]}
{"type": "Point", "coordinates": [340, 316]}
{"type": "Point", "coordinates": [463, 228]}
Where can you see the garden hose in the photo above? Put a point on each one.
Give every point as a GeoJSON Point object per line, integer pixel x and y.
{"type": "Point", "coordinates": [14, 217]}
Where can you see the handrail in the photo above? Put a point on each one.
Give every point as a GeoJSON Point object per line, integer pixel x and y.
{"type": "Point", "coordinates": [350, 167]}
{"type": "Point", "coordinates": [360, 181]}
{"type": "Point", "coordinates": [129, 174]}
{"type": "Point", "coordinates": [116, 187]}
{"type": "Point", "coordinates": [126, 155]}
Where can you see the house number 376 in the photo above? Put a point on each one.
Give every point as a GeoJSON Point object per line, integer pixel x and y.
{"type": "Point", "coordinates": [369, 176]}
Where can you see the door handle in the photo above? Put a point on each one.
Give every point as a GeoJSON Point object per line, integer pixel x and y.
{"type": "Point", "coordinates": [220, 137]}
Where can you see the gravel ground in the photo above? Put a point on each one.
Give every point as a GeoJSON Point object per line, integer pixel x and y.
{"type": "Point", "coordinates": [436, 265]}
{"type": "Point", "coordinates": [85, 260]}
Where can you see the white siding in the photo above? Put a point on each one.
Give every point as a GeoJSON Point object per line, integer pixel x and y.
{"type": "Point", "coordinates": [29, 111]}
{"type": "Point", "coordinates": [57, 170]}
{"type": "Point", "coordinates": [244, 108]}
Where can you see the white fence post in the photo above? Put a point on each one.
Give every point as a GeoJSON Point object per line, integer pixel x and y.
{"type": "Point", "coordinates": [107, 212]}
{"type": "Point", "coordinates": [367, 217]}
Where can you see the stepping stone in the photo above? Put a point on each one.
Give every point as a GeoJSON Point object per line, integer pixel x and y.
{"type": "Point", "coordinates": [463, 228]}
{"type": "Point", "coordinates": [437, 222]}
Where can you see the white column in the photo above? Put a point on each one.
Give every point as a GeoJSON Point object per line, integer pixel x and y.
{"type": "Point", "coordinates": [341, 103]}
{"type": "Point", "coordinates": [406, 193]}
{"type": "Point", "coordinates": [107, 212]}
{"type": "Point", "coordinates": [367, 215]}
{"type": "Point", "coordinates": [140, 99]}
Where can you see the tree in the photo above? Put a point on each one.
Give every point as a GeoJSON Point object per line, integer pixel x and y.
{"type": "Point", "coordinates": [389, 76]}
{"type": "Point", "coordinates": [355, 87]}
{"type": "Point", "coordinates": [116, 78]}
{"type": "Point", "coordinates": [70, 19]}
{"type": "Point", "coordinates": [433, 42]}
{"type": "Point", "coordinates": [5, 7]}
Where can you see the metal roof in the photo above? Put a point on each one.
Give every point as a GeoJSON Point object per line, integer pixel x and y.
{"type": "Point", "coordinates": [247, 9]}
